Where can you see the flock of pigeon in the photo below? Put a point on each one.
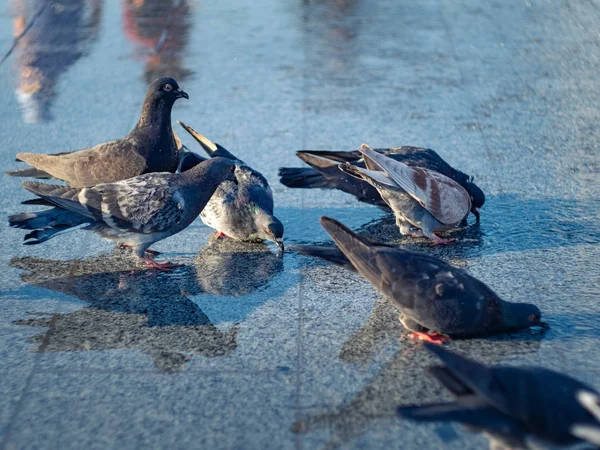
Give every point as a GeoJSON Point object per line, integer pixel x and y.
{"type": "Point", "coordinates": [147, 186]}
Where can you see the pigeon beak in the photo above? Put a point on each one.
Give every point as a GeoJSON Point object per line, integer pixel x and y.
{"type": "Point", "coordinates": [544, 325]}
{"type": "Point", "coordinates": [279, 242]}
{"type": "Point", "coordinates": [181, 94]}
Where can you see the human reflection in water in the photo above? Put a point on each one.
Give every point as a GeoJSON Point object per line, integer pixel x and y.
{"type": "Point", "coordinates": [142, 310]}
{"type": "Point", "coordinates": [160, 30]}
{"type": "Point", "coordinates": [60, 36]}
{"type": "Point", "coordinates": [332, 26]}
{"type": "Point", "coordinates": [404, 378]}
{"type": "Point", "coordinates": [228, 267]}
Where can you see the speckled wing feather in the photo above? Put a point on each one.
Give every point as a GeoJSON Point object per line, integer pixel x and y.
{"type": "Point", "coordinates": [443, 197]}
{"type": "Point", "coordinates": [104, 163]}
{"type": "Point", "coordinates": [144, 204]}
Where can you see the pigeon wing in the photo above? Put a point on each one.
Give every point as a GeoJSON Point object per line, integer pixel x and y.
{"type": "Point", "coordinates": [211, 148]}
{"type": "Point", "coordinates": [147, 204]}
{"type": "Point", "coordinates": [144, 204]}
{"type": "Point", "coordinates": [443, 197]}
{"type": "Point", "coordinates": [104, 163]}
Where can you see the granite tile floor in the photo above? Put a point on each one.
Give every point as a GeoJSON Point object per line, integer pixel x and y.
{"type": "Point", "coordinates": [242, 348]}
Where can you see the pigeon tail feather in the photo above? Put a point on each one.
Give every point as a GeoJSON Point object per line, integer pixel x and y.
{"type": "Point", "coordinates": [29, 172]}
{"type": "Point", "coordinates": [302, 177]}
{"type": "Point", "coordinates": [44, 234]}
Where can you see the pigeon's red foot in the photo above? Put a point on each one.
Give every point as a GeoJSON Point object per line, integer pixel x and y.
{"type": "Point", "coordinates": [438, 240]}
{"type": "Point", "coordinates": [434, 338]}
{"type": "Point", "coordinates": [152, 264]}
{"type": "Point", "coordinates": [149, 251]}
{"type": "Point", "coordinates": [220, 235]}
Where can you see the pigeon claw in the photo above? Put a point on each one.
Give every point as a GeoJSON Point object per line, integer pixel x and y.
{"type": "Point", "coordinates": [153, 264]}
{"type": "Point", "coordinates": [434, 338]}
{"type": "Point", "coordinates": [439, 241]}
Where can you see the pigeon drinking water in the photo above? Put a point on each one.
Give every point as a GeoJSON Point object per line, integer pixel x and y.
{"type": "Point", "coordinates": [324, 173]}
{"type": "Point", "coordinates": [436, 300]}
{"type": "Point", "coordinates": [149, 147]}
{"type": "Point", "coordinates": [137, 212]}
{"type": "Point", "coordinates": [242, 208]}
{"type": "Point", "coordinates": [420, 198]}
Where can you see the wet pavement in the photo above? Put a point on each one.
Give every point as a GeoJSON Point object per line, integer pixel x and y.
{"type": "Point", "coordinates": [241, 347]}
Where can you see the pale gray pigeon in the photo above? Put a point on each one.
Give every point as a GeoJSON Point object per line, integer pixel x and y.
{"type": "Point", "coordinates": [241, 209]}
{"type": "Point", "coordinates": [137, 212]}
{"type": "Point", "coordinates": [420, 198]}
{"type": "Point", "coordinates": [323, 173]}
{"type": "Point", "coordinates": [150, 147]}
{"type": "Point", "coordinates": [436, 300]}
{"type": "Point", "coordinates": [520, 407]}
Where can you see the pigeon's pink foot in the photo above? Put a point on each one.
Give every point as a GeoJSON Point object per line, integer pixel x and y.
{"type": "Point", "coordinates": [220, 235]}
{"type": "Point", "coordinates": [149, 251]}
{"type": "Point", "coordinates": [438, 241]}
{"type": "Point", "coordinates": [152, 264]}
{"type": "Point", "coordinates": [434, 338]}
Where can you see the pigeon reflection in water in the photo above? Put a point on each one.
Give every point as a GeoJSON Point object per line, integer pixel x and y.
{"type": "Point", "coordinates": [227, 267]}
{"type": "Point", "coordinates": [143, 311]}
{"type": "Point", "coordinates": [60, 36]}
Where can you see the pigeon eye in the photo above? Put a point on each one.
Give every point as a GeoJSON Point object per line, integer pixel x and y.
{"type": "Point", "coordinates": [533, 317]}
{"type": "Point", "coordinates": [269, 231]}
{"type": "Point", "coordinates": [168, 87]}
{"type": "Point", "coordinates": [232, 169]}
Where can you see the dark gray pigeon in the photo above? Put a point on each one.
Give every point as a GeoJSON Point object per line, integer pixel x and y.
{"type": "Point", "coordinates": [136, 212]}
{"type": "Point", "coordinates": [149, 147]}
{"type": "Point", "coordinates": [241, 209]}
{"type": "Point", "coordinates": [324, 173]}
{"type": "Point", "coordinates": [521, 407]}
{"type": "Point", "coordinates": [590, 433]}
{"type": "Point", "coordinates": [436, 300]}
{"type": "Point", "coordinates": [420, 198]}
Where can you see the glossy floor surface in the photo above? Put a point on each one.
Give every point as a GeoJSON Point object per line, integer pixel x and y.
{"type": "Point", "coordinates": [247, 349]}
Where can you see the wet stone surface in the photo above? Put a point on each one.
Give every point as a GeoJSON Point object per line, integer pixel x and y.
{"type": "Point", "coordinates": [241, 347]}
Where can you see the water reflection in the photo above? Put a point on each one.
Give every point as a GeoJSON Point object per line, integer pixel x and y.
{"type": "Point", "coordinates": [403, 380]}
{"type": "Point", "coordinates": [331, 29]}
{"type": "Point", "coordinates": [61, 35]}
{"type": "Point", "coordinates": [160, 30]}
{"type": "Point", "coordinates": [227, 267]}
{"type": "Point", "coordinates": [142, 310]}
{"type": "Point", "coordinates": [147, 310]}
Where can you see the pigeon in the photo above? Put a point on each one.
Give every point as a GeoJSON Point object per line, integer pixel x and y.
{"type": "Point", "coordinates": [137, 212]}
{"type": "Point", "coordinates": [420, 198]}
{"type": "Point", "coordinates": [323, 173]}
{"type": "Point", "coordinates": [590, 433]}
{"type": "Point", "coordinates": [149, 147]}
{"type": "Point", "coordinates": [514, 405]}
{"type": "Point", "coordinates": [436, 300]}
{"type": "Point", "coordinates": [241, 209]}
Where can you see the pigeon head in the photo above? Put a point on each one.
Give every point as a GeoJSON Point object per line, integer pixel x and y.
{"type": "Point", "coordinates": [165, 89]}
{"type": "Point", "coordinates": [156, 112]}
{"type": "Point", "coordinates": [270, 228]}
{"type": "Point", "coordinates": [517, 316]}
{"type": "Point", "coordinates": [477, 197]}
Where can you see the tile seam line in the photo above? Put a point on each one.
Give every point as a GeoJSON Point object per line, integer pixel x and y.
{"type": "Point", "coordinates": [300, 327]}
